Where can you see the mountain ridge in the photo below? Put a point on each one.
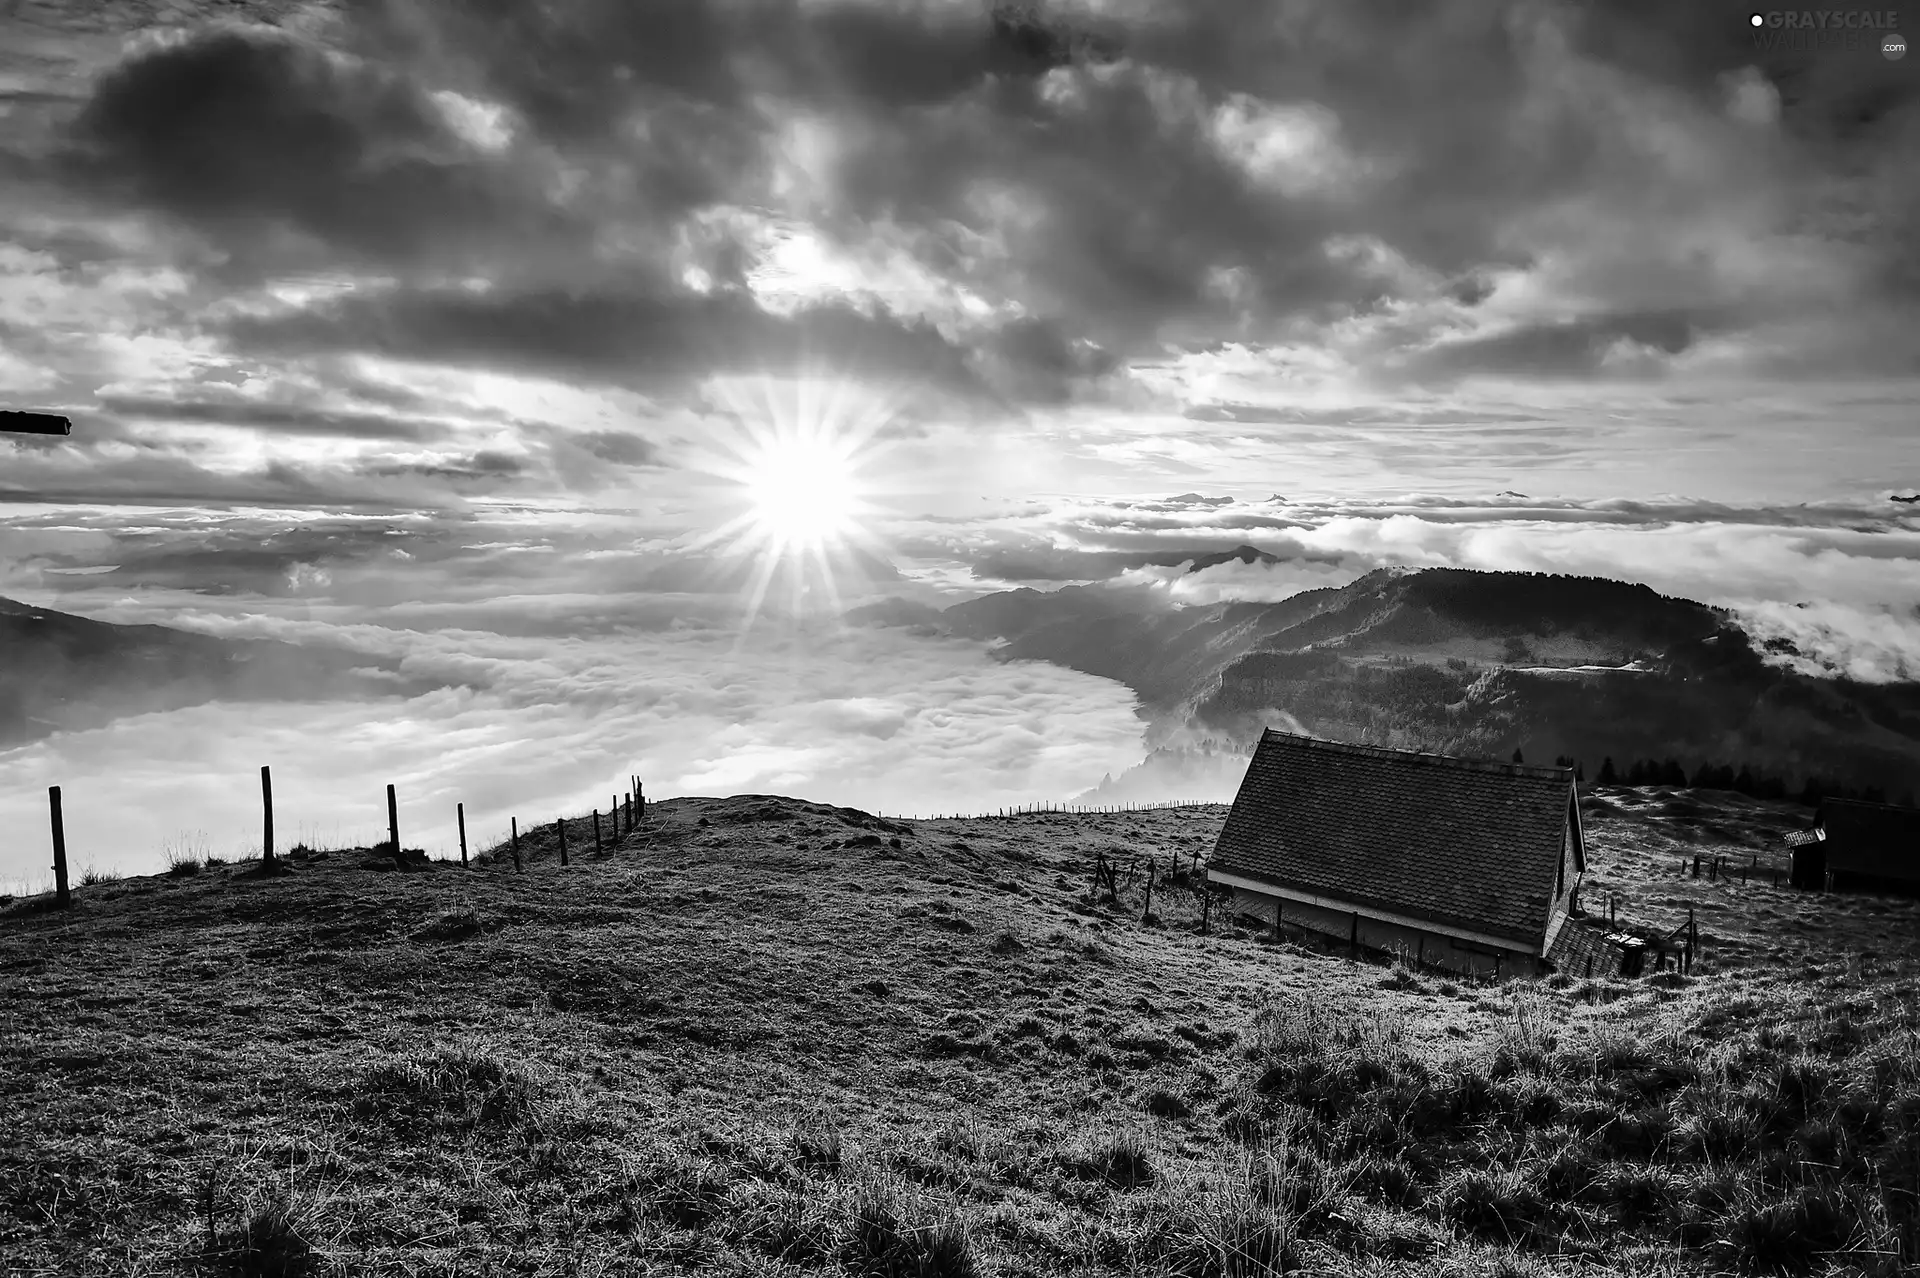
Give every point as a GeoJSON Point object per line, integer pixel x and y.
{"type": "Point", "coordinates": [1465, 662]}
{"type": "Point", "coordinates": [66, 673]}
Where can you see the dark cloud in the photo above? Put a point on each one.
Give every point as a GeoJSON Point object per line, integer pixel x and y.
{"type": "Point", "coordinates": [1573, 349]}
{"type": "Point", "coordinates": [246, 132]}
{"type": "Point", "coordinates": [623, 448]}
{"type": "Point", "coordinates": [639, 339]}
{"type": "Point", "coordinates": [1358, 415]}
{"type": "Point", "coordinates": [484, 466]}
{"type": "Point", "coordinates": [282, 419]}
{"type": "Point", "coordinates": [1186, 177]}
{"type": "Point", "coordinates": [157, 474]}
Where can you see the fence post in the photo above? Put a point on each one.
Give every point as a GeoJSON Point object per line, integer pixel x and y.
{"type": "Point", "coordinates": [266, 806]}
{"type": "Point", "coordinates": [518, 868]}
{"type": "Point", "coordinates": [460, 813]}
{"type": "Point", "coordinates": [640, 799]}
{"type": "Point", "coordinates": [561, 826]}
{"type": "Point", "coordinates": [1147, 909]}
{"type": "Point", "coordinates": [596, 831]}
{"type": "Point", "coordinates": [629, 812]}
{"type": "Point", "coordinates": [393, 822]}
{"type": "Point", "coordinates": [61, 896]}
{"type": "Point", "coordinates": [1206, 911]}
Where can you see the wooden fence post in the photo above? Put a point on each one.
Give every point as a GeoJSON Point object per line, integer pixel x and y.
{"type": "Point", "coordinates": [460, 813]}
{"type": "Point", "coordinates": [266, 806]}
{"type": "Point", "coordinates": [518, 868]}
{"type": "Point", "coordinates": [1099, 870]}
{"type": "Point", "coordinates": [1206, 911]}
{"type": "Point", "coordinates": [596, 831]}
{"type": "Point", "coordinates": [1147, 909]}
{"type": "Point", "coordinates": [629, 812]}
{"type": "Point", "coordinates": [561, 826]}
{"type": "Point", "coordinates": [61, 896]}
{"type": "Point", "coordinates": [393, 822]}
{"type": "Point", "coordinates": [640, 799]}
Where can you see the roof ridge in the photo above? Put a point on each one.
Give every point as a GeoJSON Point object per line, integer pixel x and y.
{"type": "Point", "coordinates": [1869, 803]}
{"type": "Point", "coordinates": [1535, 771]}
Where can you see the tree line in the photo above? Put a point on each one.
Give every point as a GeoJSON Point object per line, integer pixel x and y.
{"type": "Point", "coordinates": [1722, 776]}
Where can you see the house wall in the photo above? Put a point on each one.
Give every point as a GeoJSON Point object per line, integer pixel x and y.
{"type": "Point", "coordinates": [1809, 866]}
{"type": "Point", "coordinates": [1569, 872]}
{"type": "Point", "coordinates": [1418, 945]}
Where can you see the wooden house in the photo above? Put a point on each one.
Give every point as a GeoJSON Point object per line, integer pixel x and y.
{"type": "Point", "coordinates": [1459, 863]}
{"type": "Point", "coordinates": [1870, 846]}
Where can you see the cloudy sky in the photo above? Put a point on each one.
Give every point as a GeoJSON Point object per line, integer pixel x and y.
{"type": "Point", "coordinates": [506, 338]}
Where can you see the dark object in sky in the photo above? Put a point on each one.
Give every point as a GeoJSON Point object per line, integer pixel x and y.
{"type": "Point", "coordinates": [34, 423]}
{"type": "Point", "coordinates": [1510, 493]}
{"type": "Point", "coordinates": [1914, 498]}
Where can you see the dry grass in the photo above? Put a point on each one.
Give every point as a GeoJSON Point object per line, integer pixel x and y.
{"type": "Point", "coordinates": [760, 1039]}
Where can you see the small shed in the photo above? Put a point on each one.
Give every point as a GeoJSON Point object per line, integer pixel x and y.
{"type": "Point", "coordinates": [1460, 863]}
{"type": "Point", "coordinates": [1809, 849]}
{"type": "Point", "coordinates": [1871, 846]}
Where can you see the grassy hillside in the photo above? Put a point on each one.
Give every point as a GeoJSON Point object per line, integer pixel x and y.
{"type": "Point", "coordinates": [760, 1038]}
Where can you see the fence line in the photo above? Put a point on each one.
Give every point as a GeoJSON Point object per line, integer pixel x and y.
{"type": "Point", "coordinates": [626, 815]}
{"type": "Point", "coordinates": [1054, 809]}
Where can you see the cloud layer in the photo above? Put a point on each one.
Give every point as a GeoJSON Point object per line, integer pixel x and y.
{"type": "Point", "coordinates": [434, 321]}
{"type": "Point", "coordinates": [537, 724]}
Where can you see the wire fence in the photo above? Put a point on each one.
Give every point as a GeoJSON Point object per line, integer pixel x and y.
{"type": "Point", "coordinates": [625, 815]}
{"type": "Point", "coordinates": [1053, 809]}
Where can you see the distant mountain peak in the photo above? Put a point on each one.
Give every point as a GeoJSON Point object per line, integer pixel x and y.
{"type": "Point", "coordinates": [1243, 553]}
{"type": "Point", "coordinates": [1197, 499]}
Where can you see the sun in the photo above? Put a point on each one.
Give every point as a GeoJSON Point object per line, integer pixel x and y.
{"type": "Point", "coordinates": [797, 465]}
{"type": "Point", "coordinates": [804, 490]}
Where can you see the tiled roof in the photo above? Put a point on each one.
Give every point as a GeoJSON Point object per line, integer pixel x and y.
{"type": "Point", "coordinates": [1880, 839]}
{"type": "Point", "coordinates": [1452, 841]}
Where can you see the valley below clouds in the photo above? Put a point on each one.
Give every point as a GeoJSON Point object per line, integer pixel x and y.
{"type": "Point", "coordinates": [535, 725]}
{"type": "Point", "coordinates": [563, 651]}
